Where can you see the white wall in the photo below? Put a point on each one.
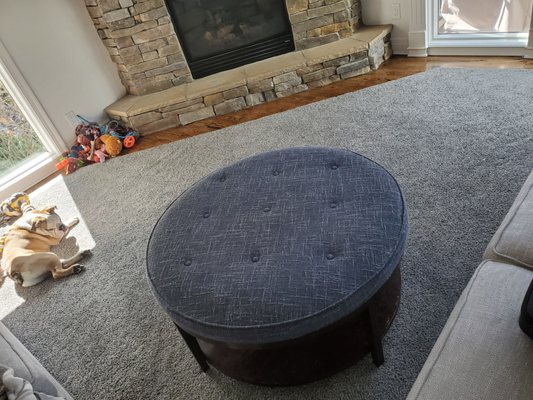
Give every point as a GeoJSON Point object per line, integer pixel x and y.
{"type": "Point", "coordinates": [377, 12]}
{"type": "Point", "coordinates": [56, 48]}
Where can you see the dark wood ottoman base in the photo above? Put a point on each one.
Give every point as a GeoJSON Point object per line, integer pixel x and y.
{"type": "Point", "coordinates": [313, 356]}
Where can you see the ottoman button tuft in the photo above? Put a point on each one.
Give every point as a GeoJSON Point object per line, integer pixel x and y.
{"type": "Point", "coordinates": [334, 166]}
{"type": "Point", "coordinates": [206, 214]}
{"type": "Point", "coordinates": [266, 209]}
{"type": "Point", "coordinates": [187, 262]}
{"type": "Point", "coordinates": [330, 256]}
{"type": "Point", "coordinates": [255, 258]}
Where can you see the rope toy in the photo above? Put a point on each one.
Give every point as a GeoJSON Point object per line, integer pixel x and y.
{"type": "Point", "coordinates": [13, 207]}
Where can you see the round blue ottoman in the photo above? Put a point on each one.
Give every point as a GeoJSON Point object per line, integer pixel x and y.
{"type": "Point", "coordinates": [279, 255]}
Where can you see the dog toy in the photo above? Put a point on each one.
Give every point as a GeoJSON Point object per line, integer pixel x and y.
{"type": "Point", "coordinates": [99, 155]}
{"type": "Point", "coordinates": [113, 145]}
{"type": "Point", "coordinates": [126, 135]}
{"type": "Point", "coordinates": [15, 206]}
{"type": "Point", "coordinates": [89, 130]}
{"type": "Point", "coordinates": [96, 143]}
{"type": "Point", "coordinates": [70, 162]}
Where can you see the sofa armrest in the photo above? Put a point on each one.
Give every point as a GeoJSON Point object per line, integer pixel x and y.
{"type": "Point", "coordinates": [482, 353]}
{"type": "Point", "coordinates": [14, 355]}
{"type": "Point", "coordinates": [513, 241]}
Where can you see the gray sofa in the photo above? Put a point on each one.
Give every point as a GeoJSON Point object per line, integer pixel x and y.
{"type": "Point", "coordinates": [14, 355]}
{"type": "Point", "coordinates": [481, 353]}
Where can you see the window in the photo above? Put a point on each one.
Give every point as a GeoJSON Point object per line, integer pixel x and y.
{"type": "Point", "coordinates": [30, 143]}
{"type": "Point", "coordinates": [19, 144]}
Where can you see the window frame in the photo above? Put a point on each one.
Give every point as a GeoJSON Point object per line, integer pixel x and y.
{"type": "Point", "coordinates": [500, 43]}
{"type": "Point", "coordinates": [40, 167]}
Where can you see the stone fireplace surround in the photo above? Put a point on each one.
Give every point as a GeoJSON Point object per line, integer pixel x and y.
{"type": "Point", "coordinates": [331, 44]}
{"type": "Point", "coordinates": [141, 39]}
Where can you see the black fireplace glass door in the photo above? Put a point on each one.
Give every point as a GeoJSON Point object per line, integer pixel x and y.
{"type": "Point", "coordinates": [227, 33]}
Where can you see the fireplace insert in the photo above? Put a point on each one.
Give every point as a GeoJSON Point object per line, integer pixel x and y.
{"type": "Point", "coordinates": [218, 35]}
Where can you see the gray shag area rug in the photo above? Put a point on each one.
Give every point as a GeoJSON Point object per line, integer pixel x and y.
{"type": "Point", "coordinates": [460, 143]}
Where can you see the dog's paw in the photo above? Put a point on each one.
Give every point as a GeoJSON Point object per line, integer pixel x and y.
{"type": "Point", "coordinates": [86, 253]}
{"type": "Point", "coordinates": [17, 278]}
{"type": "Point", "coordinates": [78, 268]}
{"type": "Point", "coordinates": [73, 222]}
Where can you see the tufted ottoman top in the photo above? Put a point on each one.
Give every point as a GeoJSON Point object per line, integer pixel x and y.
{"type": "Point", "coordinates": [278, 245]}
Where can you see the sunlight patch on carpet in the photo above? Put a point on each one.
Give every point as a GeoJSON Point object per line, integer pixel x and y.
{"type": "Point", "coordinates": [56, 193]}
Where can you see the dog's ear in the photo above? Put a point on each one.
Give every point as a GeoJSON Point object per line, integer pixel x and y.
{"type": "Point", "coordinates": [49, 209]}
{"type": "Point", "coordinates": [35, 222]}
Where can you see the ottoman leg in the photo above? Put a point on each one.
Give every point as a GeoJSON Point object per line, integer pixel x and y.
{"type": "Point", "coordinates": [375, 339]}
{"type": "Point", "coordinates": [195, 349]}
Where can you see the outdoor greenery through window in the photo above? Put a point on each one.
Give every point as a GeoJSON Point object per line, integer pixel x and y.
{"type": "Point", "coordinates": [18, 141]}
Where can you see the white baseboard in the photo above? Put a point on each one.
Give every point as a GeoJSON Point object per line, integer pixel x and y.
{"type": "Point", "coordinates": [420, 52]}
{"type": "Point", "coordinates": [399, 45]}
{"type": "Point", "coordinates": [528, 53]}
{"type": "Point", "coordinates": [476, 51]}
{"type": "Point", "coordinates": [417, 44]}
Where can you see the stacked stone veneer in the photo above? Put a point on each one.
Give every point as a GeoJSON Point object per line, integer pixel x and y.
{"type": "Point", "coordinates": [317, 22]}
{"type": "Point", "coordinates": [142, 41]}
{"type": "Point", "coordinates": [245, 87]}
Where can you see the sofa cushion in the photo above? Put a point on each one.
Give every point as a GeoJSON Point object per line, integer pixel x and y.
{"type": "Point", "coordinates": [513, 241]}
{"type": "Point", "coordinates": [14, 355]}
{"type": "Point", "coordinates": [482, 353]}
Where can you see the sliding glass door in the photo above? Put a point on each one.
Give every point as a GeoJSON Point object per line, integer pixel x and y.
{"type": "Point", "coordinates": [480, 23]}
{"type": "Point", "coordinates": [465, 17]}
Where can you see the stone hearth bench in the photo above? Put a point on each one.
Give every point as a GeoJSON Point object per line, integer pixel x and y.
{"type": "Point", "coordinates": [256, 83]}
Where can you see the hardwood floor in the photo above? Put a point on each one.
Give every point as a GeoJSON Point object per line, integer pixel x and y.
{"type": "Point", "coordinates": [395, 68]}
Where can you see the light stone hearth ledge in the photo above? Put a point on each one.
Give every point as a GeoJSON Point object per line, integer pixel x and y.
{"type": "Point", "coordinates": [256, 83]}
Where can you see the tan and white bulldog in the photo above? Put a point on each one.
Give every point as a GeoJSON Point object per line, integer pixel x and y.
{"type": "Point", "coordinates": [27, 258]}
